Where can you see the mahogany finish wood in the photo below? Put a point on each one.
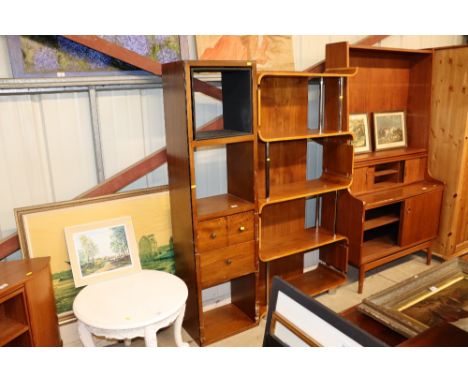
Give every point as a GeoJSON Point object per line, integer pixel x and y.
{"type": "Point", "coordinates": [392, 208]}
{"type": "Point", "coordinates": [27, 305]}
{"type": "Point", "coordinates": [214, 237]}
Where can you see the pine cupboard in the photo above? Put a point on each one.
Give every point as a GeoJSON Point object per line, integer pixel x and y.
{"type": "Point", "coordinates": [448, 147]}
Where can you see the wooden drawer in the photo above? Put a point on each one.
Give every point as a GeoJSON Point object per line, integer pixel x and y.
{"type": "Point", "coordinates": [240, 228]}
{"type": "Point", "coordinates": [212, 234]}
{"type": "Point", "coordinates": [225, 264]}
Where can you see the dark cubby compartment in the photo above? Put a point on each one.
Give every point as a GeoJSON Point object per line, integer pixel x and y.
{"type": "Point", "coordinates": [230, 91]}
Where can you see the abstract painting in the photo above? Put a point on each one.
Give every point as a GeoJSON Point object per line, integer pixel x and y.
{"type": "Point", "coordinates": [57, 56]}
{"type": "Point", "coordinates": [269, 52]}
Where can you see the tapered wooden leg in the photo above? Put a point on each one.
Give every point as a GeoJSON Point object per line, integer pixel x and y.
{"type": "Point", "coordinates": [362, 274]}
{"type": "Point", "coordinates": [429, 255]}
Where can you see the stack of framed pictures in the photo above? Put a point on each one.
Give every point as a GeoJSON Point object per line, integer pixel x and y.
{"type": "Point", "coordinates": [388, 130]}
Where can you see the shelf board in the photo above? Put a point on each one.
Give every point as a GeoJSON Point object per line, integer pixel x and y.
{"type": "Point", "coordinates": [296, 242]}
{"type": "Point", "coordinates": [317, 280]}
{"type": "Point", "coordinates": [377, 248]}
{"type": "Point", "coordinates": [10, 329]}
{"type": "Point", "coordinates": [221, 205]}
{"type": "Point", "coordinates": [386, 172]}
{"type": "Point", "coordinates": [218, 139]}
{"type": "Point", "coordinates": [384, 156]}
{"type": "Point", "coordinates": [225, 321]}
{"type": "Point", "coordinates": [396, 194]}
{"type": "Point", "coordinates": [380, 221]}
{"type": "Point", "coordinates": [344, 72]}
{"type": "Point", "coordinates": [307, 188]}
{"type": "Point", "coordinates": [296, 133]}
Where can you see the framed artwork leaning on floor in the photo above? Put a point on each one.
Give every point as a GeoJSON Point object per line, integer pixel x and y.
{"type": "Point", "coordinates": [41, 231]}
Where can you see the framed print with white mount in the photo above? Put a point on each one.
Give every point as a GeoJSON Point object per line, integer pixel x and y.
{"type": "Point", "coordinates": [390, 130]}
{"type": "Point", "coordinates": [359, 126]}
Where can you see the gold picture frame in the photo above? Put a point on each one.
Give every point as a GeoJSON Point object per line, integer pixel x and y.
{"type": "Point", "coordinates": [390, 130]}
{"type": "Point", "coordinates": [359, 126]}
{"type": "Point", "coordinates": [412, 306]}
{"type": "Point", "coordinates": [41, 232]}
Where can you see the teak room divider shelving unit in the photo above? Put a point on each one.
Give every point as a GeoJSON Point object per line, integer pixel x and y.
{"type": "Point", "coordinates": [284, 130]}
{"type": "Point", "coordinates": [220, 238]}
{"type": "Point", "coordinates": [214, 237]}
{"type": "Point", "coordinates": [393, 206]}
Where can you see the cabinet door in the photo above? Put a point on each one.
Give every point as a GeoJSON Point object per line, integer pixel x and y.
{"type": "Point", "coordinates": [420, 217]}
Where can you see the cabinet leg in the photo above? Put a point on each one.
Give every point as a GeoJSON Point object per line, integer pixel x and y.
{"type": "Point", "coordinates": [362, 274]}
{"type": "Point", "coordinates": [429, 255]}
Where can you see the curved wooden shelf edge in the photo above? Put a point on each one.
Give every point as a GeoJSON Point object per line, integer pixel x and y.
{"type": "Point", "coordinates": [335, 72]}
{"type": "Point", "coordinates": [336, 238]}
{"type": "Point", "coordinates": [311, 135]}
{"type": "Point", "coordinates": [262, 202]}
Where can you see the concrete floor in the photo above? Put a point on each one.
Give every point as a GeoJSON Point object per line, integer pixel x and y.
{"type": "Point", "coordinates": [344, 297]}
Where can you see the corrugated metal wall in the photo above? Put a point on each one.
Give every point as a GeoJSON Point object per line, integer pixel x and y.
{"type": "Point", "coordinates": [44, 136]}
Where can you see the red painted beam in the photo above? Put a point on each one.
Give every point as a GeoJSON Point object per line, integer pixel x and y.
{"type": "Point", "coordinates": [125, 55]}
{"type": "Point", "coordinates": [9, 245]}
{"type": "Point", "coordinates": [116, 51]}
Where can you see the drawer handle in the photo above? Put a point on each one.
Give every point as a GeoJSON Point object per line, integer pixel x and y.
{"type": "Point", "coordinates": [241, 228]}
{"type": "Point", "coordinates": [213, 235]}
{"type": "Point", "coordinates": [228, 261]}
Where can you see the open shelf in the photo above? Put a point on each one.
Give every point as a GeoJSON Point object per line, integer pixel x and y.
{"type": "Point", "coordinates": [225, 321]}
{"type": "Point", "coordinates": [396, 194]}
{"type": "Point", "coordinates": [385, 172]}
{"type": "Point", "coordinates": [377, 248]}
{"type": "Point", "coordinates": [296, 132]}
{"type": "Point", "coordinates": [300, 241]}
{"type": "Point", "coordinates": [376, 157]}
{"type": "Point", "coordinates": [381, 221]}
{"type": "Point", "coordinates": [221, 205]}
{"type": "Point", "coordinates": [10, 329]}
{"type": "Point", "coordinates": [212, 139]}
{"type": "Point", "coordinates": [307, 188]}
{"type": "Point", "coordinates": [317, 280]}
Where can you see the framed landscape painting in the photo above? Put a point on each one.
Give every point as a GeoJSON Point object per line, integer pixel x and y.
{"type": "Point", "coordinates": [102, 250]}
{"type": "Point", "coordinates": [389, 130]}
{"type": "Point", "coordinates": [42, 232]}
{"type": "Point", "coordinates": [360, 128]}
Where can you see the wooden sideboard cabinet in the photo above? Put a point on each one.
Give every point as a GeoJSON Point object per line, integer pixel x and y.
{"type": "Point", "coordinates": [392, 209]}
{"type": "Point", "coordinates": [214, 233]}
{"type": "Point", "coordinates": [27, 305]}
{"type": "Point", "coordinates": [448, 147]}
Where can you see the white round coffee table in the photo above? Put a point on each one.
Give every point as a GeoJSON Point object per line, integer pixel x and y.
{"type": "Point", "coordinates": [136, 305]}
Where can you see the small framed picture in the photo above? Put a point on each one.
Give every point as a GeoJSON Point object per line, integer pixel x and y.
{"type": "Point", "coordinates": [102, 250]}
{"type": "Point", "coordinates": [359, 126]}
{"type": "Point", "coordinates": [390, 130]}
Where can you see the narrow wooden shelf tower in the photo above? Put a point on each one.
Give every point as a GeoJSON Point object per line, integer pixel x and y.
{"type": "Point", "coordinates": [297, 113]}
{"type": "Point", "coordinates": [393, 206]}
{"type": "Point", "coordinates": [214, 235]}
